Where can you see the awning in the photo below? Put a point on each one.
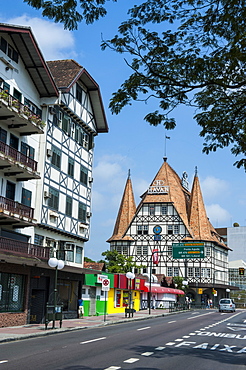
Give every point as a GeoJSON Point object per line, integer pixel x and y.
{"type": "Point", "coordinates": [160, 289]}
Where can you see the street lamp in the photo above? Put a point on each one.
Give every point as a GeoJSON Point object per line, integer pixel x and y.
{"type": "Point", "coordinates": [130, 276]}
{"type": "Point", "coordinates": [228, 292]}
{"type": "Point", "coordinates": [58, 265]}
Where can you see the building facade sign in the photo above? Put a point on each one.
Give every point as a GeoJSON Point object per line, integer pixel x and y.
{"type": "Point", "coordinates": [158, 187]}
{"type": "Point", "coordinates": [188, 250]}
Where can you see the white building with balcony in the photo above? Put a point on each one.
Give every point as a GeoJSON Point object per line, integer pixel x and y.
{"type": "Point", "coordinates": [50, 113]}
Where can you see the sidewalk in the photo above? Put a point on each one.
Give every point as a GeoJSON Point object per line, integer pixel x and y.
{"type": "Point", "coordinates": [34, 330]}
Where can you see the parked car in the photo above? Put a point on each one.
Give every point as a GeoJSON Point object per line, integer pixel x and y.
{"type": "Point", "coordinates": [227, 304]}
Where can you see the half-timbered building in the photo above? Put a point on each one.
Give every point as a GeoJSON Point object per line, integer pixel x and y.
{"type": "Point", "coordinates": [170, 234]}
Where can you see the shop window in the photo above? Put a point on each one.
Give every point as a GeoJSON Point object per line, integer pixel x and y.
{"type": "Point", "coordinates": [117, 298]}
{"type": "Point", "coordinates": [11, 292]}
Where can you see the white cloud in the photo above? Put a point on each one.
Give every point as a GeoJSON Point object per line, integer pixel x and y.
{"type": "Point", "coordinates": [213, 187]}
{"type": "Point", "coordinates": [217, 215]}
{"type": "Point", "coordinates": [53, 40]}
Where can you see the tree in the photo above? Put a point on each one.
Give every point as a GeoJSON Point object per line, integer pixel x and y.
{"type": "Point", "coordinates": [118, 263]}
{"type": "Point", "coordinates": [181, 52]}
{"type": "Point", "coordinates": [87, 259]}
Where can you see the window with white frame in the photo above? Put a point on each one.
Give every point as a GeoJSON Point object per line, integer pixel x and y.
{"type": "Point", "coordinates": [142, 229]}
{"type": "Point", "coordinates": [164, 210]}
{"type": "Point", "coordinates": [152, 209]}
{"type": "Point", "coordinates": [197, 271]}
{"type": "Point", "coordinates": [205, 272]}
{"type": "Point", "coordinates": [208, 251]}
{"type": "Point", "coordinates": [169, 271]}
{"type": "Point", "coordinates": [175, 271]}
{"type": "Point", "coordinates": [169, 250]}
{"type": "Point", "coordinates": [145, 250]}
{"type": "Point", "coordinates": [190, 271]}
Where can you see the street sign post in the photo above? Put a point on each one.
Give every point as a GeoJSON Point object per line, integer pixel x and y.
{"type": "Point", "coordinates": [106, 285]}
{"type": "Point", "coordinates": [188, 250]}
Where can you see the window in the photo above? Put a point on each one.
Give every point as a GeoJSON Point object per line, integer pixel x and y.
{"type": "Point", "coordinates": [17, 95]}
{"type": "Point", "coordinates": [70, 170]}
{"type": "Point", "coordinates": [176, 229]}
{"type": "Point", "coordinates": [54, 199]}
{"type": "Point", "coordinates": [39, 239]}
{"type": "Point", "coordinates": [66, 123]}
{"type": "Point", "coordinates": [142, 229]}
{"type": "Point", "coordinates": [169, 271]}
{"type": "Point", "coordinates": [70, 256]}
{"type": "Point", "coordinates": [152, 210]}
{"type": "Point", "coordinates": [169, 250]}
{"type": "Point", "coordinates": [205, 272]}
{"type": "Point", "coordinates": [27, 150]}
{"type": "Point", "coordinates": [3, 135]}
{"type": "Point", "coordinates": [197, 272]}
{"type": "Point", "coordinates": [32, 107]}
{"type": "Point", "coordinates": [142, 250]}
{"type": "Point", "coordinates": [14, 142]}
{"type": "Point", "coordinates": [173, 229]}
{"type": "Point", "coordinates": [83, 175]}
{"type": "Point", "coordinates": [170, 229]}
{"type": "Point", "coordinates": [139, 250]}
{"type": "Point", "coordinates": [10, 190]}
{"type": "Point", "coordinates": [164, 210]}
{"type": "Point", "coordinates": [26, 197]}
{"type": "Point", "coordinates": [11, 292]}
{"type": "Point", "coordinates": [208, 251]}
{"type": "Point", "coordinates": [175, 271]}
{"type": "Point", "coordinates": [78, 256]}
{"type": "Point", "coordinates": [145, 250]}
{"type": "Point", "coordinates": [82, 212]}
{"type": "Point", "coordinates": [78, 93]}
{"type": "Point", "coordinates": [190, 271]}
{"type": "Point", "coordinates": [69, 202]}
{"type": "Point", "coordinates": [56, 157]}
{"type": "Point", "coordinates": [9, 50]}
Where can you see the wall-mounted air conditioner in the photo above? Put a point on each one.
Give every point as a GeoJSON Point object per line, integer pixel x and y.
{"type": "Point", "coordinates": [47, 194]}
{"type": "Point", "coordinates": [52, 110]}
{"type": "Point", "coordinates": [88, 214]}
{"type": "Point", "coordinates": [49, 152]}
{"type": "Point", "coordinates": [90, 179]}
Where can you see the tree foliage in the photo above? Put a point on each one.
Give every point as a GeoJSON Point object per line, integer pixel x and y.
{"type": "Point", "coordinates": [180, 52]}
{"type": "Point", "coordinates": [118, 263]}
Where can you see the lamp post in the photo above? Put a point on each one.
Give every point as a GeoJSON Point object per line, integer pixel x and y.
{"type": "Point", "coordinates": [58, 265]}
{"type": "Point", "coordinates": [228, 292]}
{"type": "Point", "coordinates": [130, 276]}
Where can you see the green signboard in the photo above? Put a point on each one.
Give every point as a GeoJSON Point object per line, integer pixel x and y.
{"type": "Point", "coordinates": [188, 250]}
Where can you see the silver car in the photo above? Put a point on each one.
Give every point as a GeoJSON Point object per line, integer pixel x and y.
{"type": "Point", "coordinates": [227, 304]}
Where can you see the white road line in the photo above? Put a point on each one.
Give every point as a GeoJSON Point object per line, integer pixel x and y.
{"type": "Point", "coordinates": [194, 317]}
{"type": "Point", "coordinates": [131, 360]}
{"type": "Point", "coordinates": [186, 336]}
{"type": "Point", "coordinates": [146, 327]}
{"type": "Point", "coordinates": [170, 322]}
{"type": "Point", "coordinates": [3, 361]}
{"type": "Point", "coordinates": [159, 348]}
{"type": "Point", "coordinates": [113, 368]}
{"type": "Point", "coordinates": [147, 353]}
{"type": "Point", "coordinates": [92, 340]}
{"type": "Point", "coordinates": [170, 343]}
{"type": "Point", "coordinates": [178, 340]}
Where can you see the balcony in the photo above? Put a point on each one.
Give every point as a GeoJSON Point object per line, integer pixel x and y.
{"type": "Point", "coordinates": [22, 249]}
{"type": "Point", "coordinates": [18, 116]}
{"type": "Point", "coordinates": [16, 164]}
{"type": "Point", "coordinates": [15, 214]}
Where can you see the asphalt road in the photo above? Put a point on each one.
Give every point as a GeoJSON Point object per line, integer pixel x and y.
{"type": "Point", "coordinates": [198, 340]}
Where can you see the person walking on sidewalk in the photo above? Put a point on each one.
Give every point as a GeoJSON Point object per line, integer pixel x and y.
{"type": "Point", "coordinates": [81, 307]}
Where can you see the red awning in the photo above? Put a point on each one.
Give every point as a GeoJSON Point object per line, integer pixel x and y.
{"type": "Point", "coordinates": [160, 289]}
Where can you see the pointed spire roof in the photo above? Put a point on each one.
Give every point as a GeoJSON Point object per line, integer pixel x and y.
{"type": "Point", "coordinates": [201, 227]}
{"type": "Point", "coordinates": [126, 213]}
{"type": "Point", "coordinates": [175, 192]}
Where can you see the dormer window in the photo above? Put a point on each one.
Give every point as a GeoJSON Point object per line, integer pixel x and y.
{"type": "Point", "coordinates": [78, 93]}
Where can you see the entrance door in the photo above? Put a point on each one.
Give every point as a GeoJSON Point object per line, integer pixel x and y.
{"type": "Point", "coordinates": [92, 301]}
{"type": "Point", "coordinates": [37, 309]}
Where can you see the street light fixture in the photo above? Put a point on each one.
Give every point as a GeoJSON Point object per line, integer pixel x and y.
{"type": "Point", "coordinates": [58, 265]}
{"type": "Point", "coordinates": [130, 276]}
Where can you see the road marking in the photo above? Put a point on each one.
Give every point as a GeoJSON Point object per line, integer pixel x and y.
{"type": "Point", "coordinates": [159, 348]}
{"type": "Point", "coordinates": [194, 317]}
{"type": "Point", "coordinates": [113, 368]}
{"type": "Point", "coordinates": [131, 360]}
{"type": "Point", "coordinates": [92, 340]}
{"type": "Point", "coordinates": [170, 343]}
{"type": "Point", "coordinates": [146, 327]}
{"type": "Point", "coordinates": [170, 322]}
{"type": "Point", "coordinates": [178, 340]}
{"type": "Point", "coordinates": [187, 336]}
{"type": "Point", "coordinates": [147, 353]}
{"type": "Point", "coordinates": [3, 361]}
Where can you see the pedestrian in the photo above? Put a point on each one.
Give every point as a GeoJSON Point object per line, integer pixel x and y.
{"type": "Point", "coordinates": [153, 302]}
{"type": "Point", "coordinates": [80, 307]}
{"type": "Point", "coordinates": [210, 303]}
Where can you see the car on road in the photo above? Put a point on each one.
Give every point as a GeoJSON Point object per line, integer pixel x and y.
{"type": "Point", "coordinates": [227, 304]}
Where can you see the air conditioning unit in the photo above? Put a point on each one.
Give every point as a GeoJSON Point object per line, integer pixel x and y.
{"type": "Point", "coordinates": [49, 153]}
{"type": "Point", "coordinates": [68, 247]}
{"type": "Point", "coordinates": [52, 110]}
{"type": "Point", "coordinates": [47, 194]}
{"type": "Point", "coordinates": [88, 214]}
{"type": "Point", "coordinates": [90, 179]}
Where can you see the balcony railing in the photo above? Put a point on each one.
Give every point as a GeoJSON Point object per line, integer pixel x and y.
{"type": "Point", "coordinates": [12, 206]}
{"type": "Point", "coordinates": [20, 110]}
{"type": "Point", "coordinates": [18, 156]}
{"type": "Point", "coordinates": [23, 249]}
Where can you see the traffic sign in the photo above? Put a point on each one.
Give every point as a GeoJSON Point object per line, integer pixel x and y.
{"type": "Point", "coordinates": [188, 250]}
{"type": "Point", "coordinates": [106, 285]}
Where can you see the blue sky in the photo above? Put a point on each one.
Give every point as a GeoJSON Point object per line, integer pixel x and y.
{"type": "Point", "coordinates": [131, 143]}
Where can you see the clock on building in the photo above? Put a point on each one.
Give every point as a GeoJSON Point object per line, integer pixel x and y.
{"type": "Point", "coordinates": [157, 229]}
